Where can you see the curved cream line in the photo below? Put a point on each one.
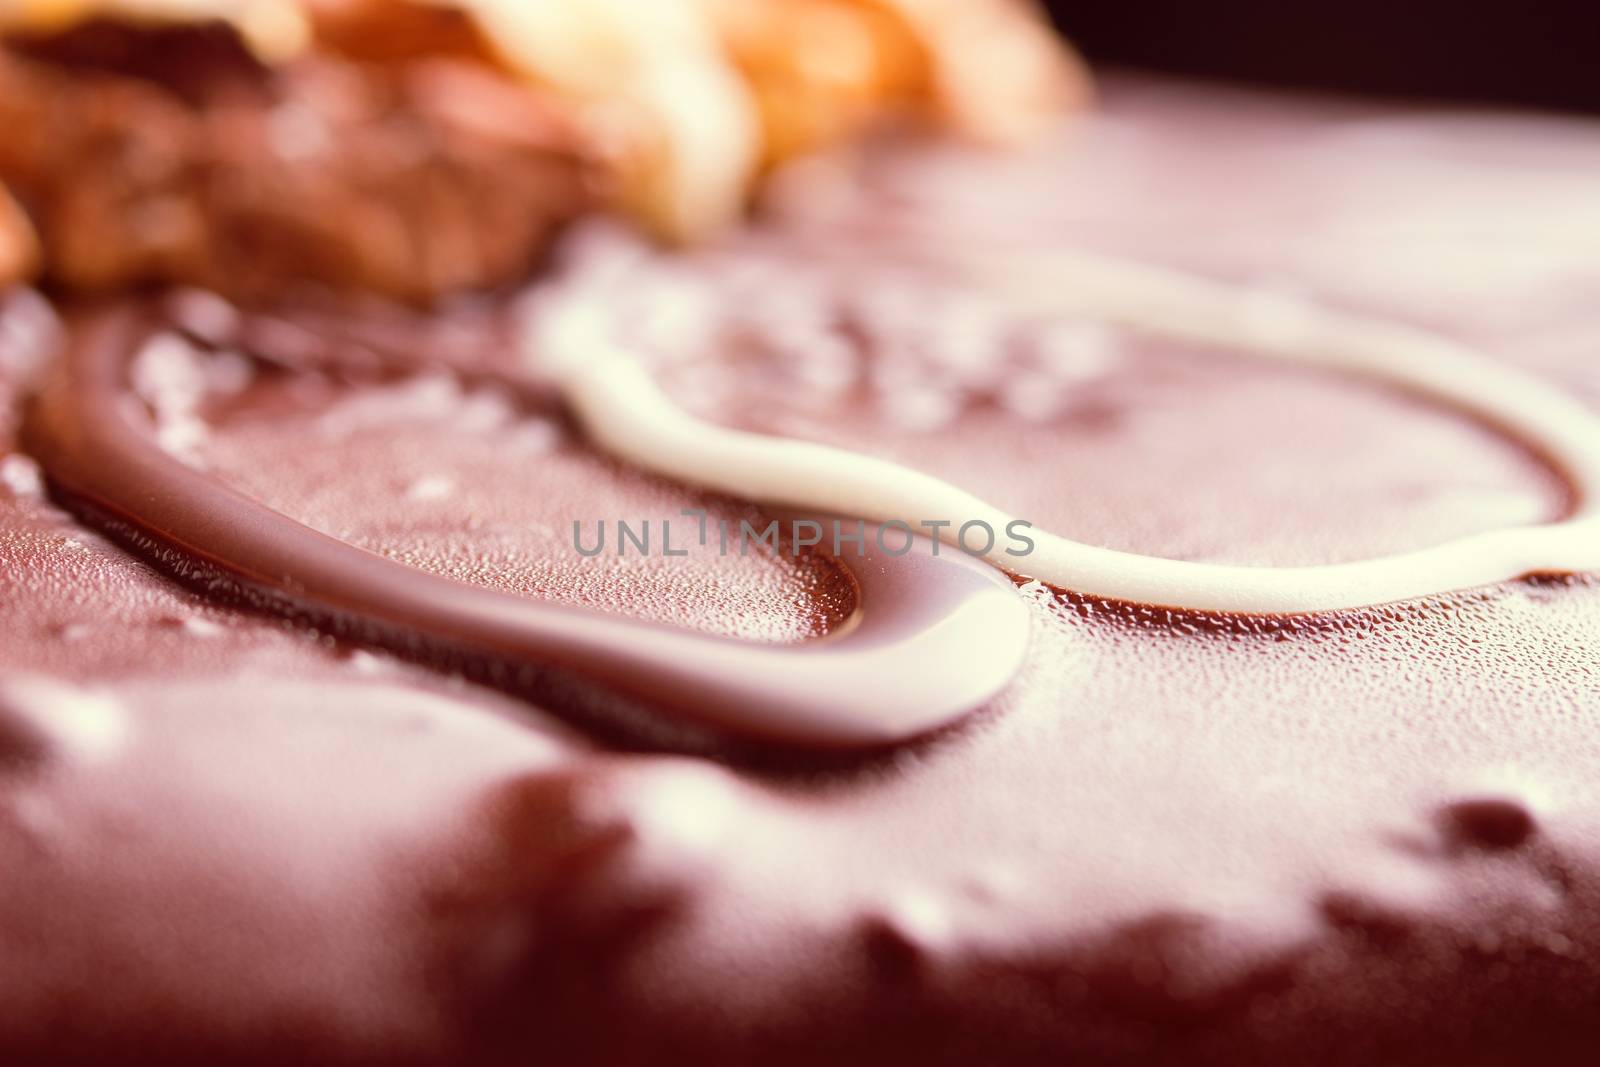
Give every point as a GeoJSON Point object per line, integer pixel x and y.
{"type": "Point", "coordinates": [626, 413]}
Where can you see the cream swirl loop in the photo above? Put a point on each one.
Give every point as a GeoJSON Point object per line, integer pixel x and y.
{"type": "Point", "coordinates": [626, 413]}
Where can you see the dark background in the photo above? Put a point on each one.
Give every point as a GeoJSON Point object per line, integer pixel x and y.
{"type": "Point", "coordinates": [1540, 53]}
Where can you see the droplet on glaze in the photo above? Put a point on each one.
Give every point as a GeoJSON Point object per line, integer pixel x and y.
{"type": "Point", "coordinates": [196, 626]}
{"type": "Point", "coordinates": [1075, 351]}
{"type": "Point", "coordinates": [921, 410]}
{"type": "Point", "coordinates": [43, 721]}
{"type": "Point", "coordinates": [535, 436]}
{"type": "Point", "coordinates": [618, 842]}
{"type": "Point", "coordinates": [1487, 822]}
{"type": "Point", "coordinates": [1033, 397]}
{"type": "Point", "coordinates": [21, 476]}
{"type": "Point", "coordinates": [684, 806]}
{"type": "Point", "coordinates": [364, 662]}
{"type": "Point", "coordinates": [30, 330]}
{"type": "Point", "coordinates": [433, 487]}
{"type": "Point", "coordinates": [167, 373]}
{"type": "Point", "coordinates": [906, 931]}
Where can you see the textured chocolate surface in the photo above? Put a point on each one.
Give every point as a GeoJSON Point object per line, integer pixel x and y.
{"type": "Point", "coordinates": [1361, 837]}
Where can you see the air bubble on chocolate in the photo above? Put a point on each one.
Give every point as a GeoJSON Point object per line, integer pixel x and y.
{"type": "Point", "coordinates": [43, 721]}
{"type": "Point", "coordinates": [534, 436]}
{"type": "Point", "coordinates": [198, 626]}
{"type": "Point", "coordinates": [689, 804]}
{"type": "Point", "coordinates": [73, 631]}
{"type": "Point", "coordinates": [427, 398]}
{"type": "Point", "coordinates": [1035, 590]}
{"type": "Point", "coordinates": [1487, 822]}
{"type": "Point", "coordinates": [1498, 807]}
{"type": "Point", "coordinates": [173, 377]}
{"type": "Point", "coordinates": [20, 476]}
{"type": "Point", "coordinates": [204, 314]}
{"type": "Point", "coordinates": [167, 375]}
{"type": "Point", "coordinates": [431, 488]}
{"type": "Point", "coordinates": [1074, 351]}
{"type": "Point", "coordinates": [30, 330]}
{"type": "Point", "coordinates": [485, 409]}
{"type": "Point", "coordinates": [364, 662]}
{"type": "Point", "coordinates": [965, 339]}
{"type": "Point", "coordinates": [907, 930]}
{"type": "Point", "coordinates": [627, 838]}
{"type": "Point", "coordinates": [1034, 397]}
{"type": "Point", "coordinates": [183, 436]}
{"type": "Point", "coordinates": [921, 410]}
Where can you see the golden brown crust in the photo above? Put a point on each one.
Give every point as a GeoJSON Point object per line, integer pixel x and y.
{"type": "Point", "coordinates": [712, 90]}
{"type": "Point", "coordinates": [413, 147]}
{"type": "Point", "coordinates": [388, 31]}
{"type": "Point", "coordinates": [992, 69]}
{"type": "Point", "coordinates": [821, 69]}
{"type": "Point", "coordinates": [818, 69]}
{"type": "Point", "coordinates": [408, 179]}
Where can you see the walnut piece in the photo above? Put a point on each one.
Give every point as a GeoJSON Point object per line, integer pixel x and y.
{"type": "Point", "coordinates": [412, 147]}
{"type": "Point", "coordinates": [409, 179]}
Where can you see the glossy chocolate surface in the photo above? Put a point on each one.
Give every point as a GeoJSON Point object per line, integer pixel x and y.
{"type": "Point", "coordinates": [1368, 836]}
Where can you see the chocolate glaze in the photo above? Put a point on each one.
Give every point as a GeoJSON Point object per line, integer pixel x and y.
{"type": "Point", "coordinates": [1178, 838]}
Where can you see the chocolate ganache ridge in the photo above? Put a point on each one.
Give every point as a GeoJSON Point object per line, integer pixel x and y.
{"type": "Point", "coordinates": [944, 624]}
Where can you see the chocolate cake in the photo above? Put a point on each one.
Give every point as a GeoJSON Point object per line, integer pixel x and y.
{"type": "Point", "coordinates": [324, 736]}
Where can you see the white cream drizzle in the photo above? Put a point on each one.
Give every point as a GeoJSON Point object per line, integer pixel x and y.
{"type": "Point", "coordinates": [625, 412]}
